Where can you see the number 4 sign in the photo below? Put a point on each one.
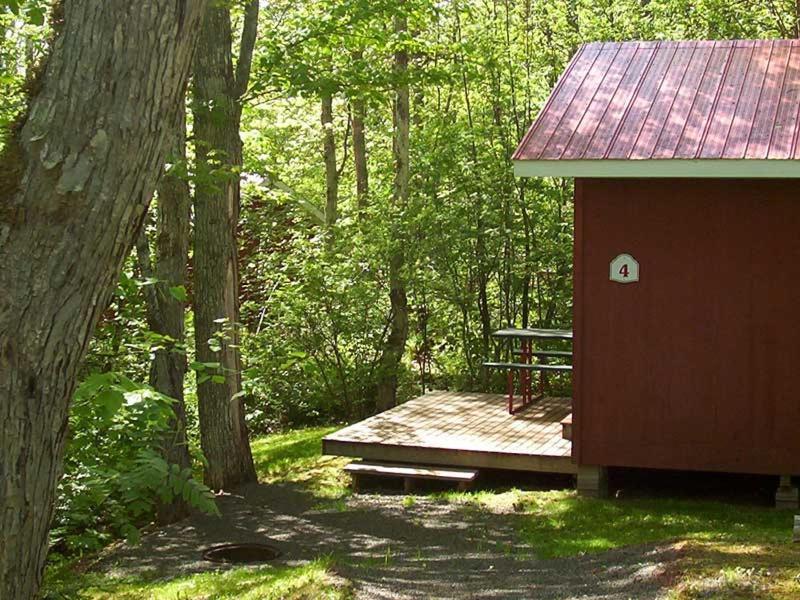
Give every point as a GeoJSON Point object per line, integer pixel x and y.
{"type": "Point", "coordinates": [624, 269]}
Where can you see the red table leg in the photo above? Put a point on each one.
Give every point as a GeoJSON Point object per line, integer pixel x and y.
{"type": "Point", "coordinates": [525, 374]}
{"type": "Point", "coordinates": [511, 391]}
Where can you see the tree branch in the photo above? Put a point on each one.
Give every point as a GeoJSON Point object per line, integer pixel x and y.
{"type": "Point", "coordinates": [244, 64]}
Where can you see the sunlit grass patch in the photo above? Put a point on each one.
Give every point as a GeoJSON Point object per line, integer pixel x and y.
{"type": "Point", "coordinates": [489, 500]}
{"type": "Point", "coordinates": [311, 581]}
{"type": "Point", "coordinates": [730, 571]}
{"type": "Point", "coordinates": [296, 457]}
{"type": "Point", "coordinates": [563, 524]}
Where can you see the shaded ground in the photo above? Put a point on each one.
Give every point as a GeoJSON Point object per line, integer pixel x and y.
{"type": "Point", "coordinates": [391, 548]}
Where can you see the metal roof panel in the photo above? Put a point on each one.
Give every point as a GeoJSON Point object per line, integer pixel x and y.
{"type": "Point", "coordinates": [672, 100]}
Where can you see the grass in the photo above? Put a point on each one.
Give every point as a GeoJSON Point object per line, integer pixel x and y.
{"type": "Point", "coordinates": [563, 524]}
{"type": "Point", "coordinates": [296, 457]}
{"type": "Point", "coordinates": [726, 551]}
{"type": "Point", "coordinates": [560, 523]}
{"type": "Point", "coordinates": [737, 571]}
{"type": "Point", "coordinates": [308, 582]}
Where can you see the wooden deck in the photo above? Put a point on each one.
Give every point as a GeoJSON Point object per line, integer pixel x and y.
{"type": "Point", "coordinates": [462, 429]}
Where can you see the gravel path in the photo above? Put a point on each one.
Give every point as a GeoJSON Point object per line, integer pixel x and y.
{"type": "Point", "coordinates": [391, 551]}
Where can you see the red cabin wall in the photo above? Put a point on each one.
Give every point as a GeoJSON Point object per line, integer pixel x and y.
{"type": "Point", "coordinates": [695, 366]}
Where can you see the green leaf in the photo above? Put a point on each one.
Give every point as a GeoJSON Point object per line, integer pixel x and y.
{"type": "Point", "coordinates": [179, 293]}
{"type": "Point", "coordinates": [109, 402]}
{"type": "Point", "coordinates": [36, 15]}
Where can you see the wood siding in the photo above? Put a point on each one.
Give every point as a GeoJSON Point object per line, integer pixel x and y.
{"type": "Point", "coordinates": [695, 366]}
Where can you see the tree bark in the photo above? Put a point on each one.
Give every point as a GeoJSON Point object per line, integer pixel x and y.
{"type": "Point", "coordinates": [216, 105]}
{"type": "Point", "coordinates": [359, 109]}
{"type": "Point", "coordinates": [360, 154]}
{"type": "Point", "coordinates": [78, 176]}
{"type": "Point", "coordinates": [329, 155]}
{"type": "Point", "coordinates": [165, 312]}
{"type": "Point", "coordinates": [386, 395]}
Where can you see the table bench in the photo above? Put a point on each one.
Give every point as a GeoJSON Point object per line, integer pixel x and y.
{"type": "Point", "coordinates": [463, 477]}
{"type": "Point", "coordinates": [524, 366]}
{"type": "Point", "coordinates": [546, 353]}
{"type": "Point", "coordinates": [527, 366]}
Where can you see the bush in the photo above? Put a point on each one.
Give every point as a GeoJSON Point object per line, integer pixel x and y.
{"type": "Point", "coordinates": [114, 476]}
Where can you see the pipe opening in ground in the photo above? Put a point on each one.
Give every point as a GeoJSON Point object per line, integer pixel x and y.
{"type": "Point", "coordinates": [241, 553]}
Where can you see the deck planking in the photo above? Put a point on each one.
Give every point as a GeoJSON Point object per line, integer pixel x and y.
{"type": "Point", "coordinates": [462, 429]}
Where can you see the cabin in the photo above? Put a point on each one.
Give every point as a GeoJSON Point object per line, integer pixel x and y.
{"type": "Point", "coordinates": [686, 325]}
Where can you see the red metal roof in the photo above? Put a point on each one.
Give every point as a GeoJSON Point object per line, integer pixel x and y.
{"type": "Point", "coordinates": [672, 100]}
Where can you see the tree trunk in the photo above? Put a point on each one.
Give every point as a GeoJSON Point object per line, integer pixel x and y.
{"type": "Point", "coordinates": [392, 355]}
{"type": "Point", "coordinates": [217, 112]}
{"type": "Point", "coordinates": [360, 154]}
{"type": "Point", "coordinates": [77, 179]}
{"type": "Point", "coordinates": [359, 109]}
{"type": "Point", "coordinates": [165, 311]}
{"type": "Point", "coordinates": [329, 155]}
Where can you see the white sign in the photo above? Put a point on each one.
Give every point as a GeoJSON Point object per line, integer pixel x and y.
{"type": "Point", "coordinates": [624, 269]}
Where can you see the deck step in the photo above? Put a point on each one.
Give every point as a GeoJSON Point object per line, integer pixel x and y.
{"type": "Point", "coordinates": [409, 472]}
{"type": "Point", "coordinates": [566, 427]}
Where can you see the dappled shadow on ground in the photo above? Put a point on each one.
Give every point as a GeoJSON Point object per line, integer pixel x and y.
{"type": "Point", "coordinates": [395, 549]}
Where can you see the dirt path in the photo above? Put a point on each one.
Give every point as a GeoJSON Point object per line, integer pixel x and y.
{"type": "Point", "coordinates": [389, 551]}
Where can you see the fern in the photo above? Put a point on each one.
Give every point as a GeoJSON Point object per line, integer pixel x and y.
{"type": "Point", "coordinates": [153, 478]}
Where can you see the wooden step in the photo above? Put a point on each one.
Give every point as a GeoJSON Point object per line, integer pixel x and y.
{"type": "Point", "coordinates": [409, 472]}
{"type": "Point", "coordinates": [566, 427]}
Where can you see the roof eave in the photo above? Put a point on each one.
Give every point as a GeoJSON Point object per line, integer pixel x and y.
{"type": "Point", "coordinates": [654, 168]}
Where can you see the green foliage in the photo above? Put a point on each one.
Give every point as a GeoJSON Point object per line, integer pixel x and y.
{"type": "Point", "coordinates": [312, 580]}
{"type": "Point", "coordinates": [114, 478]}
{"type": "Point", "coordinates": [32, 11]}
{"type": "Point", "coordinates": [483, 249]}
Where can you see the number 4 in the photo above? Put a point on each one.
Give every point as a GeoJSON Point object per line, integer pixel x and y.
{"type": "Point", "coordinates": [623, 270]}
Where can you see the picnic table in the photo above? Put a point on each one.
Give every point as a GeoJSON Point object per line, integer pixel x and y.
{"type": "Point", "coordinates": [525, 366]}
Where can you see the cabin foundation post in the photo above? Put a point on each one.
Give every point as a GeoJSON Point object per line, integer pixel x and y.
{"type": "Point", "coordinates": [592, 481]}
{"type": "Point", "coordinates": [786, 496]}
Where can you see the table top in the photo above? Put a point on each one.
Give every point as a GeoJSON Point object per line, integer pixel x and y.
{"type": "Point", "coordinates": [550, 334]}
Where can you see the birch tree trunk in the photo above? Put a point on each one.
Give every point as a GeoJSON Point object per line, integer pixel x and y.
{"type": "Point", "coordinates": [216, 105]}
{"type": "Point", "coordinates": [392, 354]}
{"type": "Point", "coordinates": [165, 311]}
{"type": "Point", "coordinates": [78, 176]}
